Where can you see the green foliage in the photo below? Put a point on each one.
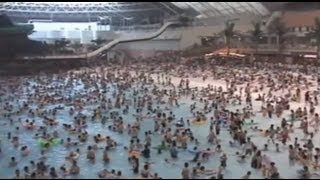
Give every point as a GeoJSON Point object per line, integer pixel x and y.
{"type": "Point", "coordinates": [99, 41]}
{"type": "Point", "coordinates": [228, 33]}
{"type": "Point", "coordinates": [61, 44]}
{"type": "Point", "coordinates": [278, 27]}
{"type": "Point", "coordinates": [316, 31]}
{"type": "Point", "coordinates": [5, 21]}
{"type": "Point", "coordinates": [76, 45]}
{"type": "Point", "coordinates": [8, 27]}
{"type": "Point", "coordinates": [256, 33]}
{"type": "Point", "coordinates": [15, 41]}
{"type": "Point", "coordinates": [17, 29]}
{"type": "Point", "coordinates": [228, 30]}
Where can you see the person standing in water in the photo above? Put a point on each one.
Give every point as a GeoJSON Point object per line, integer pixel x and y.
{"type": "Point", "coordinates": [185, 171]}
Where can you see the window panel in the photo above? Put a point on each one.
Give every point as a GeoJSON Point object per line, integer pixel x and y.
{"type": "Point", "coordinates": [206, 8]}
{"type": "Point", "coordinates": [259, 7]}
{"type": "Point", "coordinates": [201, 7]}
{"type": "Point", "coordinates": [213, 9]}
{"type": "Point", "coordinates": [180, 5]}
{"type": "Point", "coordinates": [243, 3]}
{"type": "Point", "coordinates": [216, 5]}
{"type": "Point", "coordinates": [222, 4]}
{"type": "Point", "coordinates": [226, 11]}
{"type": "Point", "coordinates": [234, 4]}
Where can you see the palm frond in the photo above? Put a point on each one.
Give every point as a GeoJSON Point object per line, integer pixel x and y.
{"type": "Point", "coordinates": [317, 23]}
{"type": "Point", "coordinates": [315, 33]}
{"type": "Point", "coordinates": [228, 31]}
{"type": "Point", "coordinates": [256, 33]}
{"type": "Point", "coordinates": [278, 27]}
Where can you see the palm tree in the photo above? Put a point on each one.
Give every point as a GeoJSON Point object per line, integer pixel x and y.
{"type": "Point", "coordinates": [228, 34]}
{"type": "Point", "coordinates": [315, 34]}
{"type": "Point", "coordinates": [256, 34]}
{"type": "Point", "coordinates": [77, 46]}
{"type": "Point", "coordinates": [278, 27]}
{"type": "Point", "coordinates": [61, 44]}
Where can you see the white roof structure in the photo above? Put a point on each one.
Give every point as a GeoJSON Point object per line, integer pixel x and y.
{"type": "Point", "coordinates": [212, 9]}
{"type": "Point", "coordinates": [83, 11]}
{"type": "Point", "coordinates": [71, 7]}
{"type": "Point", "coordinates": [206, 9]}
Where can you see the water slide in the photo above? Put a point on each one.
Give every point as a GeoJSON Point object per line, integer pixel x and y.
{"type": "Point", "coordinates": [111, 44]}
{"type": "Point", "coordinates": [127, 39]}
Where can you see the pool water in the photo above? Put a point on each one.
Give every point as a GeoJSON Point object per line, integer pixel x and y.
{"type": "Point", "coordinates": [119, 158]}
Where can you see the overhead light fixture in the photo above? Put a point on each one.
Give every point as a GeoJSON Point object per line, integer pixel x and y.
{"type": "Point", "coordinates": [310, 56]}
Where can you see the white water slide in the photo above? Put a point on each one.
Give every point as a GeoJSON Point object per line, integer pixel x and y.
{"type": "Point", "coordinates": [124, 39]}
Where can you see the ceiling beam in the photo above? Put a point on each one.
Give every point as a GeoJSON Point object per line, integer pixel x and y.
{"type": "Point", "coordinates": [165, 5]}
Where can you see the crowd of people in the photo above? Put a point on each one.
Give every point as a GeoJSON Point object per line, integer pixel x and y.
{"type": "Point", "coordinates": [151, 110]}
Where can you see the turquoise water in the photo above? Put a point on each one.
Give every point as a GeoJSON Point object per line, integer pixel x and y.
{"type": "Point", "coordinates": [119, 159]}
{"type": "Point", "coordinates": [56, 154]}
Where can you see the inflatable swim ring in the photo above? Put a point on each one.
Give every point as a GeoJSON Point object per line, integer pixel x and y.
{"type": "Point", "coordinates": [201, 122]}
{"type": "Point", "coordinates": [43, 142]}
{"type": "Point", "coordinates": [29, 126]}
{"type": "Point", "coordinates": [56, 141]}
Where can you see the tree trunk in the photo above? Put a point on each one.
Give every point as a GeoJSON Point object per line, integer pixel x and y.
{"type": "Point", "coordinates": [256, 47]}
{"type": "Point", "coordinates": [318, 51]}
{"type": "Point", "coordinates": [228, 46]}
{"type": "Point", "coordinates": [279, 44]}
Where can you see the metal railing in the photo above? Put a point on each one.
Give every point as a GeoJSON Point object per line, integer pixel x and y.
{"type": "Point", "coordinates": [121, 39]}
{"type": "Point", "coordinates": [135, 28]}
{"type": "Point", "coordinates": [78, 56]}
